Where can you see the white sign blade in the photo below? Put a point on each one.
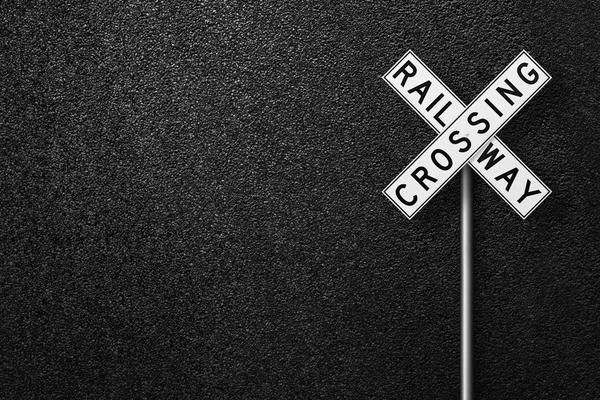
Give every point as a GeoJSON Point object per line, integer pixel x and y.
{"type": "Point", "coordinates": [435, 102]}
{"type": "Point", "coordinates": [466, 135]}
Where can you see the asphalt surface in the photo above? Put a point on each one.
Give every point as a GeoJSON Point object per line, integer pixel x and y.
{"type": "Point", "coordinates": [191, 203]}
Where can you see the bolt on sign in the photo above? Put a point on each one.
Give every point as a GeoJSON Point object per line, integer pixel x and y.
{"type": "Point", "coordinates": [466, 134]}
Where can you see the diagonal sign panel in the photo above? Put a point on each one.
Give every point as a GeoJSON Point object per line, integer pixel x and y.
{"type": "Point", "coordinates": [436, 103]}
{"type": "Point", "coordinates": [466, 135]}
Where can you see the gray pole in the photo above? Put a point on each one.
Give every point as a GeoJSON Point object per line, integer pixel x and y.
{"type": "Point", "coordinates": [466, 277]}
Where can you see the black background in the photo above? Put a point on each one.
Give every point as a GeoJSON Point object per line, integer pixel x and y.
{"type": "Point", "coordinates": [191, 203]}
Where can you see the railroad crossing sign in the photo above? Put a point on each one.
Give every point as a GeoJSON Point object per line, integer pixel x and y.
{"type": "Point", "coordinates": [466, 134]}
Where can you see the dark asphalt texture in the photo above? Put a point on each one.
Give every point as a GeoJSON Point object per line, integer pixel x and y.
{"type": "Point", "coordinates": [191, 203]}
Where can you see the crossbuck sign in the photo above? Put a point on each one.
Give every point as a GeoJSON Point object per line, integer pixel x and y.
{"type": "Point", "coordinates": [466, 134]}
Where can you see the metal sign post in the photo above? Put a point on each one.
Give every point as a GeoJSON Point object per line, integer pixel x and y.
{"type": "Point", "coordinates": [466, 283]}
{"type": "Point", "coordinates": [466, 135]}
